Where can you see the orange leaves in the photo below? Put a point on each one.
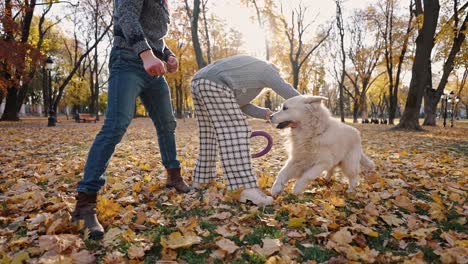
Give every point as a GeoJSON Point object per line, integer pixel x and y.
{"type": "Point", "coordinates": [406, 207]}
{"type": "Point", "coordinates": [107, 209]}
{"type": "Point", "coordinates": [404, 202]}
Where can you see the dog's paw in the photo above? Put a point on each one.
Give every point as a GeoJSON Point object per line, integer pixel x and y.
{"type": "Point", "coordinates": [276, 189]}
{"type": "Point", "coordinates": [298, 188]}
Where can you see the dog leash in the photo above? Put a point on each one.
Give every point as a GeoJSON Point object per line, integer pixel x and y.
{"type": "Point", "coordinates": [269, 140]}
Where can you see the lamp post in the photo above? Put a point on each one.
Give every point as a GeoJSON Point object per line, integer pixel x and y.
{"type": "Point", "coordinates": [455, 100]}
{"type": "Point", "coordinates": [447, 98]}
{"type": "Point", "coordinates": [49, 65]}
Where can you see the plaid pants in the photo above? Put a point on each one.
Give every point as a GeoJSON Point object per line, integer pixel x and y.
{"type": "Point", "coordinates": [221, 122]}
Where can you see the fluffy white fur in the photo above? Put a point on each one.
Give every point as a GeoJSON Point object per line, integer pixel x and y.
{"type": "Point", "coordinates": [318, 143]}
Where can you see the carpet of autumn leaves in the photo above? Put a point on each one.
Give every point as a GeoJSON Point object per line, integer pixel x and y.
{"type": "Point", "coordinates": [413, 209]}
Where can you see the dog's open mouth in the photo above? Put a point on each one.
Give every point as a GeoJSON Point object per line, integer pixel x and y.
{"type": "Point", "coordinates": [284, 124]}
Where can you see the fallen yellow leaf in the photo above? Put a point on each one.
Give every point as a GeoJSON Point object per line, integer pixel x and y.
{"type": "Point", "coordinates": [296, 222]}
{"type": "Point", "coordinates": [177, 240]}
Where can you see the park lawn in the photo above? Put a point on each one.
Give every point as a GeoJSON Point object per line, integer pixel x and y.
{"type": "Point", "coordinates": [413, 208]}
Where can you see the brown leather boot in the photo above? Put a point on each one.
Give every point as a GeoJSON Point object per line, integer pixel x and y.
{"type": "Point", "coordinates": [174, 180]}
{"type": "Point", "coordinates": [86, 210]}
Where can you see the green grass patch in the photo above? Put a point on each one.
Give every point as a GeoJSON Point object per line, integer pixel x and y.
{"type": "Point", "coordinates": [380, 243]}
{"type": "Point", "coordinates": [189, 255]}
{"type": "Point", "coordinates": [208, 225]}
{"type": "Point", "coordinates": [253, 258]}
{"type": "Point", "coordinates": [292, 198]}
{"type": "Point", "coordinates": [156, 234]}
{"type": "Point", "coordinates": [123, 247]}
{"type": "Point", "coordinates": [459, 147]}
{"type": "Point", "coordinates": [236, 240]}
{"type": "Point", "coordinates": [315, 253]}
{"type": "Point", "coordinates": [421, 211]}
{"type": "Point", "coordinates": [429, 255]}
{"type": "Point", "coordinates": [282, 216]}
{"type": "Point", "coordinates": [421, 195]}
{"type": "Point", "coordinates": [268, 210]}
{"type": "Point", "coordinates": [92, 244]}
{"type": "Point", "coordinates": [451, 222]}
{"type": "Point", "coordinates": [22, 231]}
{"type": "Point", "coordinates": [259, 233]}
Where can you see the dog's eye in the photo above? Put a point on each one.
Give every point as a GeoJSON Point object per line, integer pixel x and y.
{"type": "Point", "coordinates": [285, 108]}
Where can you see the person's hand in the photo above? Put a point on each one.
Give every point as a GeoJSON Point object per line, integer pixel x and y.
{"type": "Point", "coordinates": [172, 64]}
{"type": "Point", "coordinates": [268, 115]}
{"type": "Point", "coordinates": [153, 66]}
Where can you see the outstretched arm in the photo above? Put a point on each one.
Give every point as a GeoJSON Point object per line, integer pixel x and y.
{"type": "Point", "coordinates": [273, 80]}
{"type": "Point", "coordinates": [256, 111]}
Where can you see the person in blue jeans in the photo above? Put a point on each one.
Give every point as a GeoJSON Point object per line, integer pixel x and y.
{"type": "Point", "coordinates": [136, 69]}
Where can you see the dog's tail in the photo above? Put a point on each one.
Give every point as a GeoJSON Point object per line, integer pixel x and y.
{"type": "Point", "coordinates": [366, 162]}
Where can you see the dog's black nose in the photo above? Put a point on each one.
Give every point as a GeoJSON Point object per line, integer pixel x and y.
{"type": "Point", "coordinates": [284, 124]}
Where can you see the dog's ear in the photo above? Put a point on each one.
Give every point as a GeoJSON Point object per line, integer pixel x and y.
{"type": "Point", "coordinates": [310, 99]}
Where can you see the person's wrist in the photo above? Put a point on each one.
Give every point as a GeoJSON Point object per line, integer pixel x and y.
{"type": "Point", "coordinates": [146, 54]}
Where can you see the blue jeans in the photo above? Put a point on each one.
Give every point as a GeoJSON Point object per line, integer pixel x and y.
{"type": "Point", "coordinates": [128, 80]}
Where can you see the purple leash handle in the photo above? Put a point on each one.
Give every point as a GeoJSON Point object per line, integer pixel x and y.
{"type": "Point", "coordinates": [269, 145]}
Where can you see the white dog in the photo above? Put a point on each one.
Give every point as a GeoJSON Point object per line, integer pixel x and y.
{"type": "Point", "coordinates": [317, 143]}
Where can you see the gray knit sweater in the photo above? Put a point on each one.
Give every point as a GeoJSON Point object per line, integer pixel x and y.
{"type": "Point", "coordinates": [247, 76]}
{"type": "Point", "coordinates": [141, 25]}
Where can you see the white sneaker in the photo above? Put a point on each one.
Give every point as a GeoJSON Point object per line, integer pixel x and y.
{"type": "Point", "coordinates": [256, 196]}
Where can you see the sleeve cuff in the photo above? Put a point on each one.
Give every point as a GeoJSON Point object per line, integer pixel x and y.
{"type": "Point", "coordinates": [141, 46]}
{"type": "Point", "coordinates": [168, 52]}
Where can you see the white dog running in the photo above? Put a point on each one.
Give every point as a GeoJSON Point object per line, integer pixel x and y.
{"type": "Point", "coordinates": [317, 143]}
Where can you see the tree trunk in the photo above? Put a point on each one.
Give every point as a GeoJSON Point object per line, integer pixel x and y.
{"type": "Point", "coordinates": [14, 93]}
{"type": "Point", "coordinates": [340, 26]}
{"type": "Point", "coordinates": [207, 34]}
{"type": "Point", "coordinates": [363, 106]}
{"type": "Point", "coordinates": [392, 109]}
{"type": "Point", "coordinates": [45, 92]}
{"type": "Point", "coordinates": [268, 100]}
{"type": "Point", "coordinates": [194, 15]}
{"type": "Point", "coordinates": [431, 98]}
{"type": "Point", "coordinates": [295, 75]}
{"type": "Point", "coordinates": [91, 90]}
{"type": "Point", "coordinates": [262, 26]}
{"type": "Point", "coordinates": [179, 100]}
{"type": "Point", "coordinates": [355, 111]}
{"type": "Point", "coordinates": [96, 62]}
{"type": "Point", "coordinates": [421, 66]}
{"type": "Point", "coordinates": [10, 113]}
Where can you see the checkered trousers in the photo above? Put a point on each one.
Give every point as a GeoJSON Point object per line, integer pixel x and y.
{"type": "Point", "coordinates": [221, 123]}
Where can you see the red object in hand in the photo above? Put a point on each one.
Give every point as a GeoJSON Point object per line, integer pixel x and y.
{"type": "Point", "coordinates": [269, 145]}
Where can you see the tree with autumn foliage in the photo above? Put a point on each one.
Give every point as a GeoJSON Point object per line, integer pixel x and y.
{"type": "Point", "coordinates": [17, 55]}
{"type": "Point", "coordinates": [451, 49]}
